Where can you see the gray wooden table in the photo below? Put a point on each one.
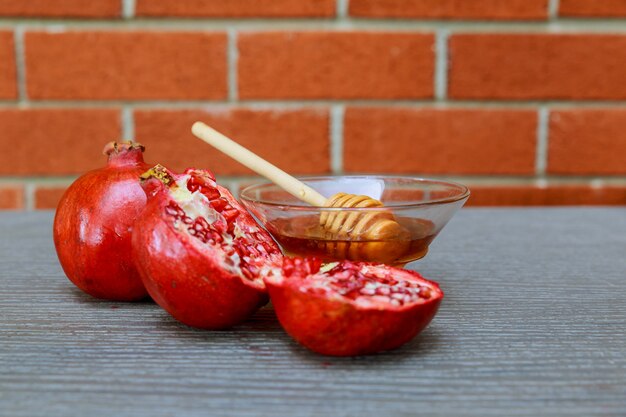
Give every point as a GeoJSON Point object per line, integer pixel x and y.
{"type": "Point", "coordinates": [533, 324]}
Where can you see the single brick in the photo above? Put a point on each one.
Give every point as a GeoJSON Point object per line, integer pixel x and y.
{"type": "Point", "coordinates": [61, 8]}
{"type": "Point", "coordinates": [236, 8]}
{"type": "Point", "coordinates": [452, 9]}
{"type": "Point", "coordinates": [410, 141]}
{"type": "Point", "coordinates": [555, 195]}
{"type": "Point", "coordinates": [48, 197]}
{"type": "Point", "coordinates": [295, 140]}
{"type": "Point", "coordinates": [126, 65]}
{"type": "Point", "coordinates": [333, 65]}
{"type": "Point", "coordinates": [537, 66]}
{"type": "Point", "coordinates": [590, 8]}
{"type": "Point", "coordinates": [55, 141]}
{"type": "Point", "coordinates": [8, 81]}
{"type": "Point", "coordinates": [11, 197]}
{"type": "Point", "coordinates": [586, 141]}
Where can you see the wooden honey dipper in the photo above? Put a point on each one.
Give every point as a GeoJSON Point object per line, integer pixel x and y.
{"type": "Point", "coordinates": [373, 236]}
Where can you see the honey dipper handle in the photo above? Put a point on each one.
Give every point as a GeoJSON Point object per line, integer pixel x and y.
{"type": "Point", "coordinates": [259, 165]}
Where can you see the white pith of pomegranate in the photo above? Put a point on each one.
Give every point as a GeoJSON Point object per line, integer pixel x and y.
{"type": "Point", "coordinates": [199, 209]}
{"type": "Point", "coordinates": [365, 285]}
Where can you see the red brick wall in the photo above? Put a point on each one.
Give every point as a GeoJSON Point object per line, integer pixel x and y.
{"type": "Point", "coordinates": [523, 100]}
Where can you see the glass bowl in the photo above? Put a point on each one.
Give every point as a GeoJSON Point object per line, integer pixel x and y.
{"type": "Point", "coordinates": [421, 206]}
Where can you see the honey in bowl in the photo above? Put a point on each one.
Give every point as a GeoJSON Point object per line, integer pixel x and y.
{"type": "Point", "coordinates": [304, 236]}
{"type": "Point", "coordinates": [420, 209]}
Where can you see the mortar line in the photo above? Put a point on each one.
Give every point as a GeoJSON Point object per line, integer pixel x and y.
{"type": "Point", "coordinates": [441, 64]}
{"type": "Point", "coordinates": [232, 61]}
{"type": "Point", "coordinates": [541, 152]}
{"type": "Point", "coordinates": [228, 182]}
{"type": "Point", "coordinates": [29, 196]}
{"type": "Point", "coordinates": [597, 183]}
{"type": "Point", "coordinates": [259, 104]}
{"type": "Point", "coordinates": [128, 9]}
{"type": "Point", "coordinates": [128, 123]}
{"type": "Point", "coordinates": [233, 185]}
{"type": "Point", "coordinates": [20, 65]}
{"type": "Point", "coordinates": [553, 9]}
{"type": "Point", "coordinates": [385, 25]}
{"type": "Point", "coordinates": [336, 138]}
{"type": "Point", "coordinates": [342, 9]}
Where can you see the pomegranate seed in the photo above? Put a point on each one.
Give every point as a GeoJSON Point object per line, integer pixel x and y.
{"type": "Point", "coordinates": [343, 275]}
{"type": "Point", "coordinates": [383, 291]}
{"type": "Point", "coordinates": [254, 251]}
{"type": "Point", "coordinates": [219, 204]}
{"type": "Point", "coordinates": [253, 269]}
{"type": "Point", "coordinates": [203, 186]}
{"type": "Point", "coordinates": [201, 224]}
{"type": "Point", "coordinates": [220, 226]}
{"type": "Point", "coordinates": [247, 273]}
{"type": "Point", "coordinates": [230, 213]}
{"type": "Point", "coordinates": [193, 185]}
{"type": "Point", "coordinates": [171, 211]}
{"type": "Point", "coordinates": [368, 291]}
{"type": "Point", "coordinates": [211, 193]}
{"type": "Point", "coordinates": [242, 250]}
{"type": "Point", "coordinates": [217, 237]}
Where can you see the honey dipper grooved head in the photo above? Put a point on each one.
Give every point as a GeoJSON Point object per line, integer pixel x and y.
{"type": "Point", "coordinates": [370, 236]}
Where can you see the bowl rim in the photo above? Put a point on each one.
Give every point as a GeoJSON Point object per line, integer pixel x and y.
{"type": "Point", "coordinates": [465, 193]}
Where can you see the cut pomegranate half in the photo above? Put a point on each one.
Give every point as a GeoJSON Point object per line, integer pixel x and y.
{"type": "Point", "coordinates": [351, 308]}
{"type": "Point", "coordinates": [201, 256]}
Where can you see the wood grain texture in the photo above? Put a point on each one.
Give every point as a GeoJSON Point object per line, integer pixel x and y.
{"type": "Point", "coordinates": [533, 323]}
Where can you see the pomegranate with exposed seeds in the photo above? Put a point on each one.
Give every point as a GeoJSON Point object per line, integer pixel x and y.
{"type": "Point", "coordinates": [201, 256]}
{"type": "Point", "coordinates": [93, 224]}
{"type": "Point", "coordinates": [351, 308]}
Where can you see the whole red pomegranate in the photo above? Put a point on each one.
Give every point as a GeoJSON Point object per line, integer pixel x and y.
{"type": "Point", "coordinates": [93, 224]}
{"type": "Point", "coordinates": [351, 308]}
{"type": "Point", "coordinates": [200, 254]}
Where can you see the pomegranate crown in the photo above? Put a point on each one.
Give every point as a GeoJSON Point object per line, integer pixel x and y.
{"type": "Point", "coordinates": [113, 148]}
{"type": "Point", "coordinates": [157, 178]}
{"type": "Point", "coordinates": [158, 172]}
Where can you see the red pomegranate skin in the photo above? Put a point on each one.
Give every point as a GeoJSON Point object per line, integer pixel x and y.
{"type": "Point", "coordinates": [93, 225]}
{"type": "Point", "coordinates": [187, 279]}
{"type": "Point", "coordinates": [334, 326]}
